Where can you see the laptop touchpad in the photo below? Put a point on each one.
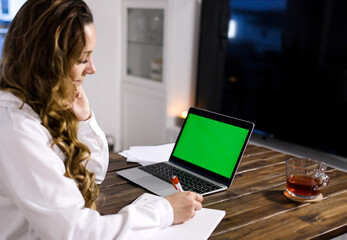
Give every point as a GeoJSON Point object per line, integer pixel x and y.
{"type": "Point", "coordinates": [154, 183]}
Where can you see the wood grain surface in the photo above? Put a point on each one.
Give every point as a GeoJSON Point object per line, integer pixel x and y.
{"type": "Point", "coordinates": [255, 205]}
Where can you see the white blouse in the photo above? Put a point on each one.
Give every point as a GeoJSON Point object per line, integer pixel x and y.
{"type": "Point", "coordinates": [38, 202]}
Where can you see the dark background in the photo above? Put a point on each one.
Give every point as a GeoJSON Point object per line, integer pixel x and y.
{"type": "Point", "coordinates": [285, 69]}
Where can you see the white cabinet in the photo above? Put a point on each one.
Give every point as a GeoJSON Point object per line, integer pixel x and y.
{"type": "Point", "coordinates": [143, 76]}
{"type": "Point", "coordinates": [158, 61]}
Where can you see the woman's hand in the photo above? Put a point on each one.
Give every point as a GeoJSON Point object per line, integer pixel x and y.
{"type": "Point", "coordinates": [80, 105]}
{"type": "Point", "coordinates": [184, 205]}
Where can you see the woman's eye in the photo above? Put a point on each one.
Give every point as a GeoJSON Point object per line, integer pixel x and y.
{"type": "Point", "coordinates": [83, 61]}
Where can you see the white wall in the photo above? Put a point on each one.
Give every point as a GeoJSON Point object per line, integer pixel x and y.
{"type": "Point", "coordinates": [104, 87]}
{"type": "Point", "coordinates": [182, 56]}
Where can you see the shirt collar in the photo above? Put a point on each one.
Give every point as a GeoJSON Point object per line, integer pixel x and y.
{"type": "Point", "coordinates": [9, 100]}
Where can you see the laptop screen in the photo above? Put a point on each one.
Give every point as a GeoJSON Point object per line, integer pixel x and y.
{"type": "Point", "coordinates": [213, 142]}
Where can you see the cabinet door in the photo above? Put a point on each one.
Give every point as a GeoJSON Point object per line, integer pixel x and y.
{"type": "Point", "coordinates": [143, 74]}
{"type": "Point", "coordinates": [145, 43]}
{"type": "Point", "coordinates": [143, 117]}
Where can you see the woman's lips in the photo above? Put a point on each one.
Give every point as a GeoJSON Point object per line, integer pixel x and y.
{"type": "Point", "coordinates": [79, 82]}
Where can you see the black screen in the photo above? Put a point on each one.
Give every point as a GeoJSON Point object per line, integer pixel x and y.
{"type": "Point", "coordinates": [282, 64]}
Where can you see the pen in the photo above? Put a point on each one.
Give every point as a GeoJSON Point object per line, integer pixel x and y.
{"type": "Point", "coordinates": [176, 183]}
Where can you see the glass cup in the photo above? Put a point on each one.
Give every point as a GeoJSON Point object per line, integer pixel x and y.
{"type": "Point", "coordinates": [305, 178]}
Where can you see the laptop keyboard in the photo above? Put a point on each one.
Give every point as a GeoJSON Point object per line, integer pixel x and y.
{"type": "Point", "coordinates": [189, 182]}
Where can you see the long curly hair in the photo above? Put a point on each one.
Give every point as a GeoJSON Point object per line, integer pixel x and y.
{"type": "Point", "coordinates": [45, 39]}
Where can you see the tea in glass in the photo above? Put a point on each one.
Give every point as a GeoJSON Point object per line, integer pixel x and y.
{"type": "Point", "coordinates": [305, 177]}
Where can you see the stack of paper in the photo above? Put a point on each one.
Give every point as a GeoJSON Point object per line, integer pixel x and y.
{"type": "Point", "coordinates": [148, 154]}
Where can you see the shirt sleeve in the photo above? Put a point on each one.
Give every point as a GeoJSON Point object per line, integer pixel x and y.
{"type": "Point", "coordinates": [32, 176]}
{"type": "Point", "coordinates": [91, 134]}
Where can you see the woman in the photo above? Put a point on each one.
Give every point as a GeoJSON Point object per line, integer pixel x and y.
{"type": "Point", "coordinates": [52, 152]}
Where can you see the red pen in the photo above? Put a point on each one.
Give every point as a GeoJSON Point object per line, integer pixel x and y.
{"type": "Point", "coordinates": [176, 183]}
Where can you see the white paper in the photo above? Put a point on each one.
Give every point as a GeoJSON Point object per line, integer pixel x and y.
{"type": "Point", "coordinates": [200, 227]}
{"type": "Point", "coordinates": [148, 154]}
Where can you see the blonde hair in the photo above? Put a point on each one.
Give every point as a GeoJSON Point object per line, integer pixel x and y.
{"type": "Point", "coordinates": [45, 39]}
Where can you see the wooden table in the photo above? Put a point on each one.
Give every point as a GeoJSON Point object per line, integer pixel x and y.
{"type": "Point", "coordinates": [255, 205]}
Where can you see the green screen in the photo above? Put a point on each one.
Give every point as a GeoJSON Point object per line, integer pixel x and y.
{"type": "Point", "coordinates": [211, 144]}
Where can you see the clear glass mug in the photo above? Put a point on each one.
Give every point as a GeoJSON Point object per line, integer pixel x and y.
{"type": "Point", "coordinates": [305, 177]}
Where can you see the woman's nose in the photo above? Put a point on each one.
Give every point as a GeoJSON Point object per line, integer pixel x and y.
{"type": "Point", "coordinates": [90, 67]}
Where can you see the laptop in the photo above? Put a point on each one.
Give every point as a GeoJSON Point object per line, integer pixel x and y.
{"type": "Point", "coordinates": [205, 157]}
